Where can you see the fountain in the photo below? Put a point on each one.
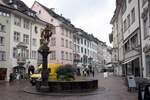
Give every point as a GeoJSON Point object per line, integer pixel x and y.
{"type": "Point", "coordinates": [65, 74]}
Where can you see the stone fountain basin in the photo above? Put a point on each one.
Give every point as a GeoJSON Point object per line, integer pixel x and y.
{"type": "Point", "coordinates": [70, 86]}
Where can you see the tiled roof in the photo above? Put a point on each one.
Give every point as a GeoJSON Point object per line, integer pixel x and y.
{"type": "Point", "coordinates": [88, 36]}
{"type": "Point", "coordinates": [20, 6]}
{"type": "Point", "coordinates": [60, 18]}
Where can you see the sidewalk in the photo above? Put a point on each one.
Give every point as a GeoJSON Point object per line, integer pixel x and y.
{"type": "Point", "coordinates": [115, 88]}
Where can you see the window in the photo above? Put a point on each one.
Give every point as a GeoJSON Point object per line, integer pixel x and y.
{"type": "Point", "coordinates": [78, 40]}
{"type": "Point", "coordinates": [62, 55]}
{"type": "Point", "coordinates": [16, 36]}
{"type": "Point", "coordinates": [70, 35]}
{"type": "Point", "coordinates": [124, 6]}
{"type": "Point", "coordinates": [36, 29]}
{"type": "Point", "coordinates": [26, 24]}
{"type": "Point", "coordinates": [88, 51]}
{"type": "Point", "coordinates": [125, 25]}
{"type": "Point", "coordinates": [81, 41]}
{"type": "Point", "coordinates": [39, 11]}
{"type": "Point", "coordinates": [2, 28]}
{"type": "Point", "coordinates": [17, 20]}
{"type": "Point", "coordinates": [71, 56]}
{"type": "Point", "coordinates": [15, 52]}
{"type": "Point", "coordinates": [66, 43]}
{"type": "Point", "coordinates": [53, 55]}
{"type": "Point", "coordinates": [34, 42]}
{"type": "Point", "coordinates": [81, 49]}
{"type": "Point", "coordinates": [33, 54]}
{"type": "Point", "coordinates": [127, 47]}
{"type": "Point", "coordinates": [134, 41]}
{"type": "Point", "coordinates": [84, 42]}
{"type": "Point", "coordinates": [67, 33]}
{"type": "Point", "coordinates": [145, 27]}
{"type": "Point", "coordinates": [26, 39]}
{"type": "Point", "coordinates": [53, 41]}
{"type": "Point", "coordinates": [1, 40]}
{"type": "Point", "coordinates": [27, 53]}
{"type": "Point", "coordinates": [70, 44]}
{"type": "Point", "coordinates": [87, 43]}
{"type": "Point", "coordinates": [85, 50]}
{"type": "Point", "coordinates": [133, 15]}
{"type": "Point", "coordinates": [52, 20]}
{"type": "Point", "coordinates": [62, 31]}
{"type": "Point", "coordinates": [128, 18]}
{"type": "Point", "coordinates": [129, 1]}
{"type": "Point", "coordinates": [143, 2]}
{"type": "Point", "coordinates": [66, 55]}
{"type": "Point", "coordinates": [62, 42]}
{"type": "Point", "coordinates": [2, 55]}
{"type": "Point", "coordinates": [3, 13]}
{"type": "Point", "coordinates": [148, 65]}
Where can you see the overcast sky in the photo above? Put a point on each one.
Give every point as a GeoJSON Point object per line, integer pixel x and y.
{"type": "Point", "coordinates": [93, 16]}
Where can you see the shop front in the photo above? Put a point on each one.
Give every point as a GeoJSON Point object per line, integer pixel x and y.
{"type": "Point", "coordinates": [3, 73]}
{"type": "Point", "coordinates": [132, 67]}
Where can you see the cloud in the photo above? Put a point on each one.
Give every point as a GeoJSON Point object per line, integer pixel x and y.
{"type": "Point", "coordinates": [93, 16]}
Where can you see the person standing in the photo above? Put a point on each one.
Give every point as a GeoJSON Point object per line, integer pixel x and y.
{"type": "Point", "coordinates": [105, 74]}
{"type": "Point", "coordinates": [93, 72]}
{"type": "Point", "coordinates": [10, 77]}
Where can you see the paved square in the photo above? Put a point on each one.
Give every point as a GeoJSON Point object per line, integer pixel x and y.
{"type": "Point", "coordinates": [114, 90]}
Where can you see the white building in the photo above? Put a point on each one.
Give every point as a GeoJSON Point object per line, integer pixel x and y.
{"type": "Point", "coordinates": [17, 25]}
{"type": "Point", "coordinates": [145, 35]}
{"type": "Point", "coordinates": [127, 25]}
{"type": "Point", "coordinates": [88, 50]}
{"type": "Point", "coordinates": [132, 37]}
{"type": "Point", "coordinates": [61, 44]}
{"type": "Point", "coordinates": [117, 38]}
{"type": "Point", "coordinates": [83, 48]}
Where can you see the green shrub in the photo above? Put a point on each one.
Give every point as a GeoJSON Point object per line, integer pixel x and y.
{"type": "Point", "coordinates": [66, 72]}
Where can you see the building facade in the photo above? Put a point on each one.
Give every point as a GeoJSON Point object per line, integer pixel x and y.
{"type": "Point", "coordinates": [89, 51]}
{"type": "Point", "coordinates": [145, 33]}
{"type": "Point", "coordinates": [132, 18]}
{"type": "Point", "coordinates": [61, 43]}
{"type": "Point", "coordinates": [17, 27]}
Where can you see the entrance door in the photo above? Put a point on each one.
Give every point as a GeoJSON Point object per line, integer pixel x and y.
{"type": "Point", "coordinates": [3, 72]}
{"type": "Point", "coordinates": [136, 67]}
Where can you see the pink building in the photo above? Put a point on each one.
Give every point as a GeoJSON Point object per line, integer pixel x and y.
{"type": "Point", "coordinates": [61, 42]}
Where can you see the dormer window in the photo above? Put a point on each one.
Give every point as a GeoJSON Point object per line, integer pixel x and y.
{"type": "Point", "coordinates": [15, 6]}
{"type": "Point", "coordinates": [39, 11]}
{"type": "Point", "coordinates": [10, 1]}
{"type": "Point", "coordinates": [36, 29]}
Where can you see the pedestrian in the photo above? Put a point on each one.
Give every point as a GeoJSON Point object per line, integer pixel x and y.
{"type": "Point", "coordinates": [78, 72]}
{"type": "Point", "coordinates": [105, 74]}
{"type": "Point", "coordinates": [93, 72]}
{"type": "Point", "coordinates": [88, 72]}
{"type": "Point", "coordinates": [10, 77]}
{"type": "Point", "coordinates": [18, 76]}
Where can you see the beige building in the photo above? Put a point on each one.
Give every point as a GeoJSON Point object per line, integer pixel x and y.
{"type": "Point", "coordinates": [61, 43]}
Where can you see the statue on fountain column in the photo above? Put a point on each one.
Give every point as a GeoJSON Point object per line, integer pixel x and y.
{"type": "Point", "coordinates": [45, 35]}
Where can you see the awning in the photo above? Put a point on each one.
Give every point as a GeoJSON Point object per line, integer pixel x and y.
{"type": "Point", "coordinates": [130, 59]}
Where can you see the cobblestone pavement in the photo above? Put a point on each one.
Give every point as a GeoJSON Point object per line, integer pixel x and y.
{"type": "Point", "coordinates": [114, 90]}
